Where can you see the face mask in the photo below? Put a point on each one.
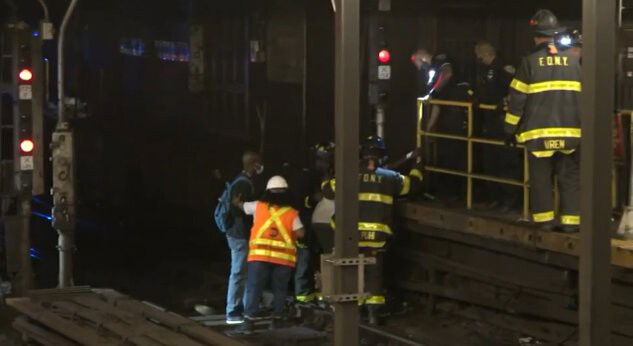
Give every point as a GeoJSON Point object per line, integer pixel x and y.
{"type": "Point", "coordinates": [259, 169]}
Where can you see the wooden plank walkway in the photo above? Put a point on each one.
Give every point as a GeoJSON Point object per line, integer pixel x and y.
{"type": "Point", "coordinates": [516, 233]}
{"type": "Point", "coordinates": [84, 316]}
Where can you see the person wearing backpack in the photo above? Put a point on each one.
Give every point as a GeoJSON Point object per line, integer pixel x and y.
{"type": "Point", "coordinates": [236, 225]}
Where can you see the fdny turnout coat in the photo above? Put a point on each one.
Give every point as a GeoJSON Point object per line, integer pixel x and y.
{"type": "Point", "coordinates": [543, 110]}
{"type": "Point", "coordinates": [377, 193]}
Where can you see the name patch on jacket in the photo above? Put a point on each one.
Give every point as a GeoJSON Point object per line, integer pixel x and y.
{"type": "Point", "coordinates": [555, 144]}
{"type": "Point", "coordinates": [367, 235]}
{"type": "Point", "coordinates": [553, 61]}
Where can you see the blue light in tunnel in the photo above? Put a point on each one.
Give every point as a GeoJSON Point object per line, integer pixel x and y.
{"type": "Point", "coordinates": [43, 216]}
{"type": "Point", "coordinates": [33, 253]}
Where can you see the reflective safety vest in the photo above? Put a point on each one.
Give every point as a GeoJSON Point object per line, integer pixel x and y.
{"type": "Point", "coordinates": [272, 238]}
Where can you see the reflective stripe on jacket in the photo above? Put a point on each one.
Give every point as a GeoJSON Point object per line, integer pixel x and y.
{"type": "Point", "coordinates": [272, 238]}
{"type": "Point", "coordinates": [376, 196]}
{"type": "Point", "coordinates": [544, 105]}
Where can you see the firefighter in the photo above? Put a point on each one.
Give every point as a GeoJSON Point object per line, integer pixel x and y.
{"type": "Point", "coordinates": [272, 253]}
{"type": "Point", "coordinates": [544, 114]}
{"type": "Point", "coordinates": [491, 87]}
{"type": "Point", "coordinates": [378, 189]}
{"type": "Point", "coordinates": [323, 207]}
{"type": "Point", "coordinates": [314, 207]}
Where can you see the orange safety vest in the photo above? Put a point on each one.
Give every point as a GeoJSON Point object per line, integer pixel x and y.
{"type": "Point", "coordinates": [272, 238]}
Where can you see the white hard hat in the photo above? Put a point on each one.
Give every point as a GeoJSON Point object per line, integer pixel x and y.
{"type": "Point", "coordinates": [277, 182]}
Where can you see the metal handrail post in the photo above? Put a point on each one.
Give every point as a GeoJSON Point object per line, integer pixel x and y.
{"type": "Point", "coordinates": [470, 140]}
{"type": "Point", "coordinates": [469, 184]}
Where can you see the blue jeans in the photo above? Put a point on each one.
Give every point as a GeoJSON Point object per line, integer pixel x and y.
{"type": "Point", "coordinates": [259, 274]}
{"type": "Point", "coordinates": [237, 278]}
{"type": "Point", "coordinates": [304, 277]}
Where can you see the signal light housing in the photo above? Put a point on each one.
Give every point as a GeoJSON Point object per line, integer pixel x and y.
{"type": "Point", "coordinates": [27, 146]}
{"type": "Point", "coordinates": [25, 75]}
{"type": "Point", "coordinates": [384, 56]}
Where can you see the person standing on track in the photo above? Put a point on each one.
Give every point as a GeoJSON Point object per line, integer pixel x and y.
{"type": "Point", "coordinates": [378, 189]}
{"type": "Point", "coordinates": [272, 253]}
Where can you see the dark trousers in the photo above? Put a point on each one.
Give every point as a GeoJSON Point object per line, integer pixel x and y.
{"type": "Point", "coordinates": [374, 276]}
{"type": "Point", "coordinates": [325, 236]}
{"type": "Point", "coordinates": [566, 168]}
{"type": "Point", "coordinates": [304, 276]}
{"type": "Point", "coordinates": [259, 274]}
{"type": "Point", "coordinates": [451, 154]}
{"type": "Point", "coordinates": [499, 161]}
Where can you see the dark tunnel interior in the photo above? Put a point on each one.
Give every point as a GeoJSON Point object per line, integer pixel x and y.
{"type": "Point", "coordinates": [152, 134]}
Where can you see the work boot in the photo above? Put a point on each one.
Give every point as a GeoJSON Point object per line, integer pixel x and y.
{"type": "Point", "coordinates": [246, 328]}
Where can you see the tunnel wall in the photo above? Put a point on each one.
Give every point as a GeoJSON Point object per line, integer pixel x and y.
{"type": "Point", "coordinates": [150, 140]}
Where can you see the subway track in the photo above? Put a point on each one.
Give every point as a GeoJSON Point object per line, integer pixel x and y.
{"type": "Point", "coordinates": [414, 327]}
{"type": "Point", "coordinates": [466, 279]}
{"type": "Point", "coordinates": [314, 327]}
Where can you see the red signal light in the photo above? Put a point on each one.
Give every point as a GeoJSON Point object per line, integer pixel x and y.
{"type": "Point", "coordinates": [26, 75]}
{"type": "Point", "coordinates": [27, 146]}
{"type": "Point", "coordinates": [384, 56]}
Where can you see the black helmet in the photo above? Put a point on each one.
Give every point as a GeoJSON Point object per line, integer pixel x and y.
{"type": "Point", "coordinates": [375, 146]}
{"type": "Point", "coordinates": [545, 23]}
{"type": "Point", "coordinates": [324, 150]}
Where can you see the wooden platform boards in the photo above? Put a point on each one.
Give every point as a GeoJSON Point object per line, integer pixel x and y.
{"type": "Point", "coordinates": [505, 273]}
{"type": "Point", "coordinates": [84, 316]}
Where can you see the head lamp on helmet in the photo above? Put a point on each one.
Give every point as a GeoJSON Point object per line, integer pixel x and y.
{"type": "Point", "coordinates": [324, 150]}
{"type": "Point", "coordinates": [374, 147]}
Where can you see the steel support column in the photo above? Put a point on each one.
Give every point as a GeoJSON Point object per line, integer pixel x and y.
{"type": "Point", "coordinates": [347, 100]}
{"type": "Point", "coordinates": [596, 160]}
{"type": "Point", "coordinates": [64, 170]}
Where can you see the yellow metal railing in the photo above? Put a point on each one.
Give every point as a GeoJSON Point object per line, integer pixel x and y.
{"type": "Point", "coordinates": [470, 140]}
